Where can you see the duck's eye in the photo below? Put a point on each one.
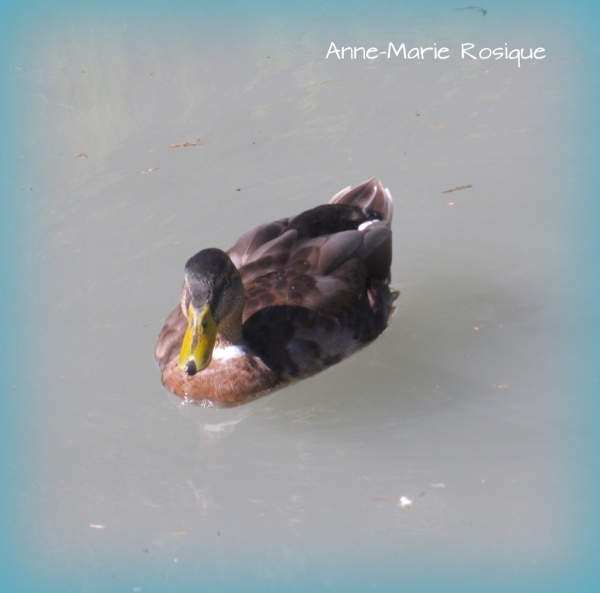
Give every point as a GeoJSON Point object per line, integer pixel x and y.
{"type": "Point", "coordinates": [204, 324]}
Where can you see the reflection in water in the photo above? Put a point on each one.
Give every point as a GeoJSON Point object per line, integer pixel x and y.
{"type": "Point", "coordinates": [216, 423]}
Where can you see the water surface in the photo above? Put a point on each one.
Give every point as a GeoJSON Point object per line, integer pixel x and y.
{"type": "Point", "coordinates": [463, 407]}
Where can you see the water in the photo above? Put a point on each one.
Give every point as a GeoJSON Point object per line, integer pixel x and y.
{"type": "Point", "coordinates": [461, 410]}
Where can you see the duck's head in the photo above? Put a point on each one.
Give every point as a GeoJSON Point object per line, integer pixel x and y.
{"type": "Point", "coordinates": [212, 300]}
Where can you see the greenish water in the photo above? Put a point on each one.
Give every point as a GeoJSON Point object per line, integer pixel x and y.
{"type": "Point", "coordinates": [463, 407]}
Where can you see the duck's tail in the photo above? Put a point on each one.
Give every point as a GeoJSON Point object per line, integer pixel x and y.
{"type": "Point", "coordinates": [371, 196]}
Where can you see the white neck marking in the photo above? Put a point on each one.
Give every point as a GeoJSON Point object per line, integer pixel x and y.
{"type": "Point", "coordinates": [228, 352]}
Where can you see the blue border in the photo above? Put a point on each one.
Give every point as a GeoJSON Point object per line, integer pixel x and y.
{"type": "Point", "coordinates": [10, 227]}
{"type": "Point", "coordinates": [589, 218]}
{"type": "Point", "coordinates": [584, 577]}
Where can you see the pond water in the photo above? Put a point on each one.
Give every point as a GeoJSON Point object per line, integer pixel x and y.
{"type": "Point", "coordinates": [440, 451]}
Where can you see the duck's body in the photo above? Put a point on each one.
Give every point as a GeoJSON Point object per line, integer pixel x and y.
{"type": "Point", "coordinates": [289, 299]}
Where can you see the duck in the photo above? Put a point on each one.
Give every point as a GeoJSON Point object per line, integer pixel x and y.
{"type": "Point", "coordinates": [291, 298]}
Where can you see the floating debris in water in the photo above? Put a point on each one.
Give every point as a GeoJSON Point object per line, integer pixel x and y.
{"type": "Point", "coordinates": [457, 188]}
{"type": "Point", "coordinates": [404, 502]}
{"type": "Point", "coordinates": [184, 144]}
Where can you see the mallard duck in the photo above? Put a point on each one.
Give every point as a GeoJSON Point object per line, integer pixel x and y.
{"type": "Point", "coordinates": [289, 299]}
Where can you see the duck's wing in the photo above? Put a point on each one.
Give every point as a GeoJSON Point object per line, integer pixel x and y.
{"type": "Point", "coordinates": [321, 259]}
{"type": "Point", "coordinates": [264, 249]}
{"type": "Point", "coordinates": [332, 296]}
{"type": "Point", "coordinates": [271, 244]}
{"type": "Point", "coordinates": [333, 271]}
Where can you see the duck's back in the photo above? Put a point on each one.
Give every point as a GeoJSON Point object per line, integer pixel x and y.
{"type": "Point", "coordinates": [317, 283]}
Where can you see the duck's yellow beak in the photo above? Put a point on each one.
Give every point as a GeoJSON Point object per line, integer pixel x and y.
{"type": "Point", "coordinates": [199, 340]}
